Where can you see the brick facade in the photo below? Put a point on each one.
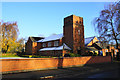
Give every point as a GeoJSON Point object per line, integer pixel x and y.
{"type": "Point", "coordinates": [74, 33]}
{"type": "Point", "coordinates": [31, 47]}
{"type": "Point", "coordinates": [28, 46]}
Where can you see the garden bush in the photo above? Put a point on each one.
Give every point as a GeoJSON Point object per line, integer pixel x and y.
{"type": "Point", "coordinates": [74, 55]}
{"type": "Point", "coordinates": [95, 54]}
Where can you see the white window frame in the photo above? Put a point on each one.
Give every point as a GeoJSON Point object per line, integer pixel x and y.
{"type": "Point", "coordinates": [49, 44]}
{"type": "Point", "coordinates": [56, 43]}
{"type": "Point", "coordinates": [44, 45]}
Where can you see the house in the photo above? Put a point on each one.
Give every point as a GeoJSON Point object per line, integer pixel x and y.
{"type": "Point", "coordinates": [52, 46]}
{"type": "Point", "coordinates": [72, 40]}
{"type": "Point", "coordinates": [89, 42]}
{"type": "Point", "coordinates": [93, 44]}
{"type": "Point", "coordinates": [31, 45]}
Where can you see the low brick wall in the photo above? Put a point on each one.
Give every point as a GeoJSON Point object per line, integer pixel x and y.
{"type": "Point", "coordinates": [29, 64]}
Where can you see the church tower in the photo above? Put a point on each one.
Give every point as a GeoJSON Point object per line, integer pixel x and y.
{"type": "Point", "coordinates": [73, 31]}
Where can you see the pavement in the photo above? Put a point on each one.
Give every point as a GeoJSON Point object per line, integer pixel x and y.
{"type": "Point", "coordinates": [102, 70]}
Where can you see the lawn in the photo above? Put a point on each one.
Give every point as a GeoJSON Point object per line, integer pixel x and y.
{"type": "Point", "coordinates": [9, 55]}
{"type": "Point", "coordinates": [34, 56]}
{"type": "Point", "coordinates": [23, 56]}
{"type": "Point", "coordinates": [37, 56]}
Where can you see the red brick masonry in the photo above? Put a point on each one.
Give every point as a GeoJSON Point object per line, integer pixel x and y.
{"type": "Point", "coordinates": [47, 63]}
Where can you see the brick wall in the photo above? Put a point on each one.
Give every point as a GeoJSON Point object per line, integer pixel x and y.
{"type": "Point", "coordinates": [13, 65]}
{"type": "Point", "coordinates": [34, 47]}
{"type": "Point", "coordinates": [68, 31]}
{"type": "Point", "coordinates": [51, 53]}
{"type": "Point", "coordinates": [78, 35]}
{"type": "Point", "coordinates": [73, 30]}
{"type": "Point", "coordinates": [28, 46]}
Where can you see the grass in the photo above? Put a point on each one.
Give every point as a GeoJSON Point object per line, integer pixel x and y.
{"type": "Point", "coordinates": [34, 56]}
{"type": "Point", "coordinates": [24, 56]}
{"type": "Point", "coordinates": [37, 56]}
{"type": "Point", "coordinates": [9, 55]}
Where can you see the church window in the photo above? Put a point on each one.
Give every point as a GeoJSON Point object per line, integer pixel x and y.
{"type": "Point", "coordinates": [78, 32]}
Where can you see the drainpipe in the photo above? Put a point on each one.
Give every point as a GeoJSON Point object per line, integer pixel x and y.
{"type": "Point", "coordinates": [63, 50]}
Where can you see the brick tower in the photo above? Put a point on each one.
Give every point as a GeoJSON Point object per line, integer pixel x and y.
{"type": "Point", "coordinates": [73, 31]}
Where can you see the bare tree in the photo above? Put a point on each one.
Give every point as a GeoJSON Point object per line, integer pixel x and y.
{"type": "Point", "coordinates": [108, 23]}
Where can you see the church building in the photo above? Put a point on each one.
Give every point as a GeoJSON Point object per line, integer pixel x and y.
{"type": "Point", "coordinates": [71, 40]}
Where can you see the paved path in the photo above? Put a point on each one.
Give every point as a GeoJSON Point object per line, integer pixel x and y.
{"type": "Point", "coordinates": [86, 71]}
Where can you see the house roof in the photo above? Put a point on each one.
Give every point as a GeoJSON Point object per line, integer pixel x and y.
{"type": "Point", "coordinates": [52, 37]}
{"type": "Point", "coordinates": [97, 46]}
{"type": "Point", "coordinates": [88, 40]}
{"type": "Point", "coordinates": [36, 38]}
{"type": "Point", "coordinates": [65, 47]}
{"type": "Point", "coordinates": [58, 36]}
{"type": "Point", "coordinates": [91, 49]}
{"type": "Point", "coordinates": [56, 48]}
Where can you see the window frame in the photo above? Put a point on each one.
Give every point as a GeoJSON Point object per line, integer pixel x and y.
{"type": "Point", "coordinates": [78, 32]}
{"type": "Point", "coordinates": [44, 45]}
{"type": "Point", "coordinates": [56, 43]}
{"type": "Point", "coordinates": [49, 44]}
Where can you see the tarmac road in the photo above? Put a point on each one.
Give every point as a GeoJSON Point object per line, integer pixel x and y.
{"type": "Point", "coordinates": [111, 73]}
{"type": "Point", "coordinates": [108, 74]}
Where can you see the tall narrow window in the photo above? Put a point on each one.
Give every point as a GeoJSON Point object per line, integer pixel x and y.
{"type": "Point", "coordinates": [78, 32]}
{"type": "Point", "coordinates": [43, 45]}
{"type": "Point", "coordinates": [56, 43]}
{"type": "Point", "coordinates": [49, 44]}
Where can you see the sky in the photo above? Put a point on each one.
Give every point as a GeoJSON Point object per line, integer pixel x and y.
{"type": "Point", "coordinates": [46, 18]}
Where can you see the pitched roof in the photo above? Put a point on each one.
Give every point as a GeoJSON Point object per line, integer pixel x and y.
{"type": "Point", "coordinates": [36, 38]}
{"type": "Point", "coordinates": [88, 40]}
{"type": "Point", "coordinates": [65, 47]}
{"type": "Point", "coordinates": [56, 48]}
{"type": "Point", "coordinates": [91, 49]}
{"type": "Point", "coordinates": [46, 49]}
{"type": "Point", "coordinates": [52, 37]}
{"type": "Point", "coordinates": [97, 46]}
{"type": "Point", "coordinates": [58, 36]}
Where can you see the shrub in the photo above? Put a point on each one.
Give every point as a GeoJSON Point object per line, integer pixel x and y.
{"type": "Point", "coordinates": [30, 56]}
{"type": "Point", "coordinates": [67, 55]}
{"type": "Point", "coordinates": [74, 55]}
{"type": "Point", "coordinates": [90, 53]}
{"type": "Point", "coordinates": [95, 54]}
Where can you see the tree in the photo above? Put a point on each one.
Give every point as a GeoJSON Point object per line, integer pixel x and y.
{"type": "Point", "coordinates": [21, 45]}
{"type": "Point", "coordinates": [108, 23]}
{"type": "Point", "coordinates": [9, 33]}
